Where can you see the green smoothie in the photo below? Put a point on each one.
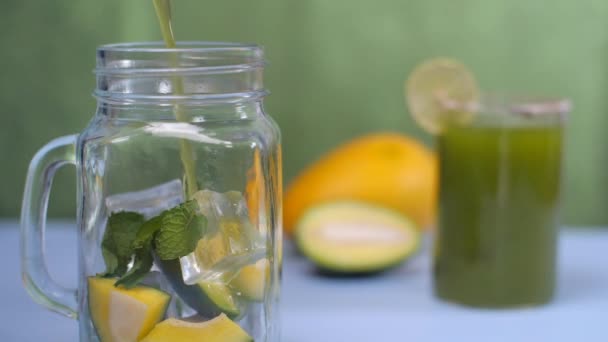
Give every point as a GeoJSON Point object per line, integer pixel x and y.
{"type": "Point", "coordinates": [499, 196]}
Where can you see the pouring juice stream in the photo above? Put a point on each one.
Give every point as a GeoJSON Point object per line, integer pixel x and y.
{"type": "Point", "coordinates": [163, 12]}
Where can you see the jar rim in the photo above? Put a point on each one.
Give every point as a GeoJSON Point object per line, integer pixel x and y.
{"type": "Point", "coordinates": [193, 71]}
{"type": "Point", "coordinates": [504, 103]}
{"type": "Point", "coordinates": [521, 104]}
{"type": "Point", "coordinates": [182, 46]}
{"type": "Point", "coordinates": [199, 57]}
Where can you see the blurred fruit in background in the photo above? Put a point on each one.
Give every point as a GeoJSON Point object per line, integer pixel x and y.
{"type": "Point", "coordinates": [346, 237]}
{"type": "Point", "coordinates": [386, 169]}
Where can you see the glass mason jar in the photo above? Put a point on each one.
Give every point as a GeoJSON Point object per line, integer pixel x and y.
{"type": "Point", "coordinates": [500, 178]}
{"type": "Point", "coordinates": [179, 200]}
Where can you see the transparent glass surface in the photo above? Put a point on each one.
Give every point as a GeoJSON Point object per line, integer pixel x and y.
{"type": "Point", "coordinates": [500, 177]}
{"type": "Point", "coordinates": [179, 142]}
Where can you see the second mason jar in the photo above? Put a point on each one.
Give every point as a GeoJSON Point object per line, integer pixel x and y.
{"type": "Point", "coordinates": [179, 199]}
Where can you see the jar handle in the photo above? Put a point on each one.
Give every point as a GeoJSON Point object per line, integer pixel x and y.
{"type": "Point", "coordinates": [36, 278]}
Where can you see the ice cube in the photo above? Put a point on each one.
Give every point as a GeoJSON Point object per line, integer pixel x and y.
{"type": "Point", "coordinates": [230, 242]}
{"type": "Point", "coordinates": [227, 212]}
{"type": "Point", "coordinates": [148, 202]}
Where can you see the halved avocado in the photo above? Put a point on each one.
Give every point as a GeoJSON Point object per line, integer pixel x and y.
{"type": "Point", "coordinates": [251, 280]}
{"type": "Point", "coordinates": [219, 329]}
{"type": "Point", "coordinates": [353, 237]}
{"type": "Point", "coordinates": [120, 314]}
{"type": "Point", "coordinates": [208, 299]}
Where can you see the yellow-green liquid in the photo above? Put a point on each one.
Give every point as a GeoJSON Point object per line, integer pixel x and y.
{"type": "Point", "coordinates": [499, 193]}
{"type": "Point", "coordinates": [163, 12]}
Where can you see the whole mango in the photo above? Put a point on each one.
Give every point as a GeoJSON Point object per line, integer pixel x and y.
{"type": "Point", "coordinates": [387, 169]}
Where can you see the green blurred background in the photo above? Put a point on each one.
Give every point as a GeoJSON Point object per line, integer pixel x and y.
{"type": "Point", "coordinates": [336, 71]}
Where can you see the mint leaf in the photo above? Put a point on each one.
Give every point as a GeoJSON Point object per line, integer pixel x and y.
{"type": "Point", "coordinates": [142, 247]}
{"type": "Point", "coordinates": [181, 228]}
{"type": "Point", "coordinates": [120, 233]}
{"type": "Point", "coordinates": [141, 266]}
{"type": "Point", "coordinates": [172, 234]}
{"type": "Point", "coordinates": [146, 232]}
{"type": "Point", "coordinates": [111, 261]}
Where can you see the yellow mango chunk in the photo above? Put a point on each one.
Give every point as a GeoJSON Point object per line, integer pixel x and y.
{"type": "Point", "coordinates": [124, 315]}
{"type": "Point", "coordinates": [219, 329]}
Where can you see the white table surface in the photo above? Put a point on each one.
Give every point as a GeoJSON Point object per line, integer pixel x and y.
{"type": "Point", "coordinates": [395, 306]}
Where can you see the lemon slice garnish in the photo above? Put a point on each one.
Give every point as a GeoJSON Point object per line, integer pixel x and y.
{"type": "Point", "coordinates": [441, 92]}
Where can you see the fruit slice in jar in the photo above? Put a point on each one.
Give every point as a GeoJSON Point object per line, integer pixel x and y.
{"type": "Point", "coordinates": [219, 329]}
{"type": "Point", "coordinates": [120, 314]}
{"type": "Point", "coordinates": [209, 299]}
{"type": "Point", "coordinates": [353, 237]}
{"type": "Point", "coordinates": [440, 92]}
{"type": "Point", "coordinates": [251, 280]}
{"type": "Point", "coordinates": [221, 296]}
